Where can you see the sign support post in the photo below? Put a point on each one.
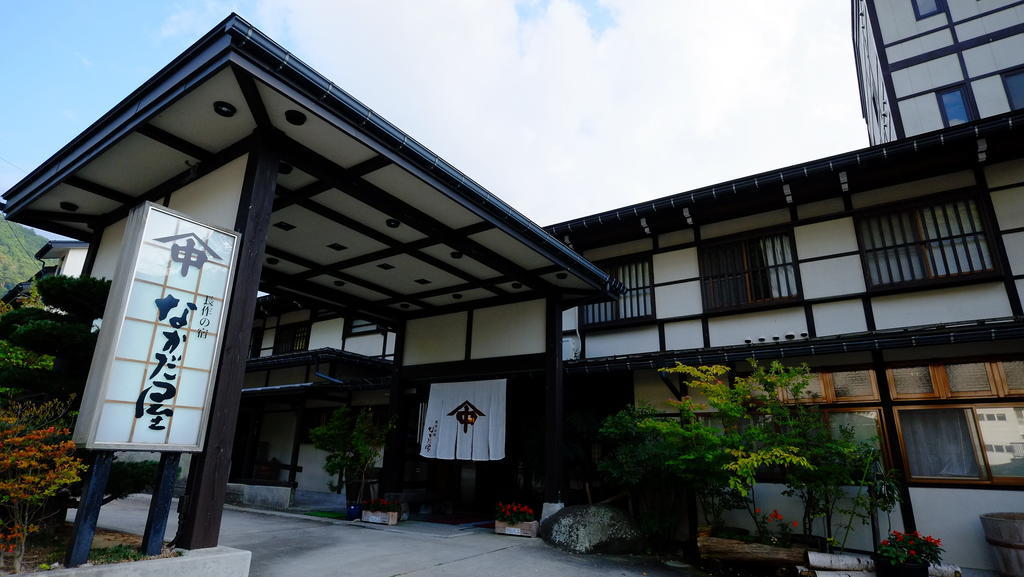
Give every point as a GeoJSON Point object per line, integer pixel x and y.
{"type": "Point", "coordinates": [160, 504]}
{"type": "Point", "coordinates": [93, 487]}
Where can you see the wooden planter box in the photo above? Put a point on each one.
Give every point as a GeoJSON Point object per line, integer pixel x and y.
{"type": "Point", "coordinates": [741, 551]}
{"type": "Point", "coordinates": [526, 529]}
{"type": "Point", "coordinates": [380, 517]}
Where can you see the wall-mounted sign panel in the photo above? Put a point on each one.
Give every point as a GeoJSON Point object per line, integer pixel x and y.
{"type": "Point", "coordinates": [152, 374]}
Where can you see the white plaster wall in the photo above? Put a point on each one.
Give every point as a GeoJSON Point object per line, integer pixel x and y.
{"type": "Point", "coordinates": [435, 339]}
{"type": "Point", "coordinates": [621, 249]}
{"type": "Point", "coordinates": [570, 319]}
{"type": "Point", "coordinates": [832, 277]}
{"type": "Point", "coordinates": [389, 346]}
{"type": "Point", "coordinates": [624, 342]}
{"type": "Point", "coordinates": [1004, 173]}
{"type": "Point", "coordinates": [678, 300]}
{"type": "Point", "coordinates": [927, 75]}
{"type": "Point", "coordinates": [917, 46]}
{"type": "Point", "coordinates": [993, 56]}
{"type": "Point", "coordinates": [267, 344]}
{"type": "Point", "coordinates": [675, 237]}
{"type": "Point", "coordinates": [675, 265]}
{"type": "Point", "coordinates": [109, 251]}
{"type": "Point", "coordinates": [897, 20]}
{"type": "Point", "coordinates": [952, 514]}
{"type": "Point", "coordinates": [1014, 244]}
{"type": "Point", "coordinates": [506, 330]}
{"type": "Point", "coordinates": [825, 238]}
{"type": "Point", "coordinates": [326, 333]}
{"type": "Point", "coordinates": [1020, 288]}
{"type": "Point", "coordinates": [990, 96]}
{"type": "Point", "coordinates": [732, 330]}
{"type": "Point", "coordinates": [839, 317]}
{"type": "Point", "coordinates": [744, 223]}
{"type": "Point", "coordinates": [920, 114]}
{"type": "Point", "coordinates": [369, 345]}
{"type": "Point", "coordinates": [768, 497]}
{"type": "Point", "coordinates": [213, 199]}
{"type": "Point", "coordinates": [986, 24]}
{"type": "Point", "coordinates": [913, 189]}
{"type": "Point", "coordinates": [313, 477]}
{"type": "Point", "coordinates": [649, 390]}
{"type": "Point", "coordinates": [73, 262]}
{"type": "Point", "coordinates": [973, 302]}
{"type": "Point", "coordinates": [684, 335]}
{"type": "Point", "coordinates": [820, 208]}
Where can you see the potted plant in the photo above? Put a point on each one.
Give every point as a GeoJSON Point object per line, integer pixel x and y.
{"type": "Point", "coordinates": [381, 511]}
{"type": "Point", "coordinates": [515, 519]}
{"type": "Point", "coordinates": [353, 442]}
{"type": "Point", "coordinates": [907, 555]}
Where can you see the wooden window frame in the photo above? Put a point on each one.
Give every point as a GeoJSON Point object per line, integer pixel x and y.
{"type": "Point", "coordinates": [616, 314]}
{"type": "Point", "coordinates": [919, 245]}
{"type": "Point", "coordinates": [295, 328]}
{"type": "Point", "coordinates": [883, 436]}
{"type": "Point", "coordinates": [828, 390]}
{"type": "Point", "coordinates": [940, 381]}
{"type": "Point", "coordinates": [706, 252]}
{"type": "Point", "coordinates": [978, 438]}
{"type": "Point", "coordinates": [1002, 383]}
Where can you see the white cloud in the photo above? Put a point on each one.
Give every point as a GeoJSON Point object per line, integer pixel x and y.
{"type": "Point", "coordinates": [560, 121]}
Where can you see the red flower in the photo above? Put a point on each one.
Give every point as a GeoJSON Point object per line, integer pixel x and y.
{"type": "Point", "coordinates": [912, 552]}
{"type": "Point", "coordinates": [885, 541]}
{"type": "Point", "coordinates": [795, 523]}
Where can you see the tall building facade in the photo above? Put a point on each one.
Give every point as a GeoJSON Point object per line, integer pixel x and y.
{"type": "Point", "coordinates": [923, 65]}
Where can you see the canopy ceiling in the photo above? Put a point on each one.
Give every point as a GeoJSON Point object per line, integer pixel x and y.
{"type": "Point", "coordinates": [364, 218]}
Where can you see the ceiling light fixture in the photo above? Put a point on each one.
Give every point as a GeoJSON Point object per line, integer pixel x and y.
{"type": "Point", "coordinates": [295, 117]}
{"type": "Point", "coordinates": [225, 109]}
{"type": "Point", "coordinates": [517, 285]}
{"type": "Point", "coordinates": [404, 305]}
{"type": "Point", "coordinates": [272, 260]}
{"type": "Point", "coordinates": [561, 276]}
{"type": "Point", "coordinates": [68, 206]}
{"type": "Point", "coordinates": [456, 296]}
{"type": "Point", "coordinates": [339, 283]}
{"type": "Point", "coordinates": [392, 223]}
{"type": "Point", "coordinates": [285, 226]}
{"type": "Point", "coordinates": [456, 254]}
{"type": "Point", "coordinates": [285, 168]}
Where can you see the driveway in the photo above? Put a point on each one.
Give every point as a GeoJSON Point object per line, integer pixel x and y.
{"type": "Point", "coordinates": [286, 544]}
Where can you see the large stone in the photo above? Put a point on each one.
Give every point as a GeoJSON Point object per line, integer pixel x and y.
{"type": "Point", "coordinates": [591, 529]}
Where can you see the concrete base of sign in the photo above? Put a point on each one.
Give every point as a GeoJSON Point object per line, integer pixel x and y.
{"type": "Point", "coordinates": [212, 562]}
{"type": "Point", "coordinates": [266, 496]}
{"type": "Point", "coordinates": [550, 509]}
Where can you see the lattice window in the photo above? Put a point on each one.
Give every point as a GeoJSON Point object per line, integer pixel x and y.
{"type": "Point", "coordinates": [750, 271]}
{"type": "Point", "coordinates": [930, 242]}
{"type": "Point", "coordinates": [635, 303]}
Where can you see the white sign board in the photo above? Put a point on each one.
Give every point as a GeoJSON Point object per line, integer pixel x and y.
{"type": "Point", "coordinates": [152, 375]}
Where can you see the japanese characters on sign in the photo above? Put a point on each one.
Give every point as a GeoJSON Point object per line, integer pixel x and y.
{"type": "Point", "coordinates": [152, 375]}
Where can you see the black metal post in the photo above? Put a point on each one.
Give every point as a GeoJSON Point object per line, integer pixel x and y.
{"type": "Point", "coordinates": [93, 487]}
{"type": "Point", "coordinates": [160, 504]}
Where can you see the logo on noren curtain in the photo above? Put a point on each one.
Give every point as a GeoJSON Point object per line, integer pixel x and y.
{"type": "Point", "coordinates": [466, 414]}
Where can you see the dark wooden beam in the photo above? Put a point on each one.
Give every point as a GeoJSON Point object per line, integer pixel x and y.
{"type": "Point", "coordinates": [276, 252]}
{"type": "Point", "coordinates": [370, 165]}
{"type": "Point", "coordinates": [394, 449]}
{"type": "Point", "coordinates": [58, 228]}
{"type": "Point", "coordinates": [325, 170]}
{"type": "Point", "coordinates": [180, 180]}
{"type": "Point", "coordinates": [252, 97]}
{"type": "Point", "coordinates": [200, 526]}
{"type": "Point", "coordinates": [554, 406]}
{"type": "Point", "coordinates": [48, 215]}
{"type": "Point", "coordinates": [171, 141]}
{"type": "Point", "coordinates": [274, 282]}
{"type": "Point", "coordinates": [99, 189]}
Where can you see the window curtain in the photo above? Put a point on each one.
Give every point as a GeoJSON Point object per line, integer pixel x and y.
{"type": "Point", "coordinates": [778, 258]}
{"type": "Point", "coordinates": [940, 443]}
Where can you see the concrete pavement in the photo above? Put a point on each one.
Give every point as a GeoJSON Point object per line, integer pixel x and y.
{"type": "Point", "coordinates": [285, 544]}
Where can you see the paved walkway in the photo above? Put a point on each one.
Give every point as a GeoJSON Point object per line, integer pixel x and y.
{"type": "Point", "coordinates": [285, 544]}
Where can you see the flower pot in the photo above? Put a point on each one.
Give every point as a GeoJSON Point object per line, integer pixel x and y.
{"type": "Point", "coordinates": [381, 517]}
{"type": "Point", "coordinates": [524, 529]}
{"type": "Point", "coordinates": [885, 568]}
{"type": "Point", "coordinates": [354, 512]}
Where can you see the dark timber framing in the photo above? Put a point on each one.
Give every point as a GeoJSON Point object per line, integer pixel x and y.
{"type": "Point", "coordinates": [210, 470]}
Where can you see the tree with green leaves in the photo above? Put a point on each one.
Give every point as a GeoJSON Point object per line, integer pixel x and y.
{"type": "Point", "coordinates": [353, 441]}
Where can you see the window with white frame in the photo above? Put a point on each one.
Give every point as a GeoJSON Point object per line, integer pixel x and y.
{"type": "Point", "coordinates": [748, 271]}
{"type": "Point", "coordinates": [635, 302]}
{"type": "Point", "coordinates": [936, 241]}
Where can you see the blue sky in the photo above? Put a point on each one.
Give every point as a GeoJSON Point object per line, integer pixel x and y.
{"type": "Point", "coordinates": [561, 107]}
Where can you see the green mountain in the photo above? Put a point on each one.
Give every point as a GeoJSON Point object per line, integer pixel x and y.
{"type": "Point", "coordinates": [18, 246]}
